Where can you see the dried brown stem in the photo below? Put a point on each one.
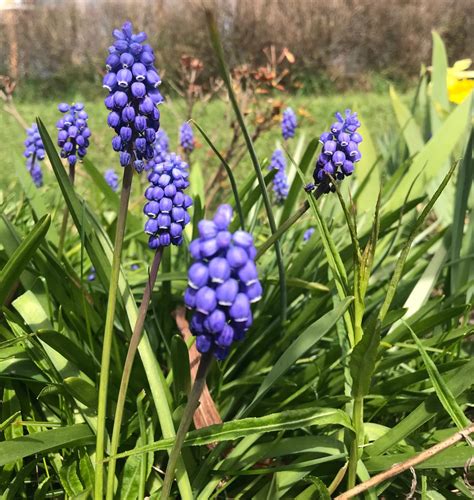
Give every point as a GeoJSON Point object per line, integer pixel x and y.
{"type": "Point", "coordinates": [412, 462]}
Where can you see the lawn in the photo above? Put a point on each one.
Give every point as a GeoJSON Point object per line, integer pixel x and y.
{"type": "Point", "coordinates": [375, 106]}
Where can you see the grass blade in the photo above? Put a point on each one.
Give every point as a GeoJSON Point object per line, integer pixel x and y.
{"type": "Point", "coordinates": [42, 442]}
{"type": "Point", "coordinates": [228, 169]}
{"type": "Point", "coordinates": [237, 429]}
{"type": "Point", "coordinates": [442, 390]}
{"type": "Point", "coordinates": [21, 257]}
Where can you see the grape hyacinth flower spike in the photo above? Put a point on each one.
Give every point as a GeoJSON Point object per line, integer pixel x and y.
{"type": "Point", "coordinates": [112, 179]}
{"type": "Point", "coordinates": [73, 132]}
{"type": "Point", "coordinates": [308, 233]}
{"type": "Point", "coordinates": [34, 153]}
{"type": "Point", "coordinates": [161, 148]}
{"type": "Point", "coordinates": [132, 81]}
{"type": "Point", "coordinates": [280, 181]}
{"type": "Point", "coordinates": [340, 152]}
{"type": "Point", "coordinates": [167, 206]}
{"type": "Point", "coordinates": [186, 137]}
{"type": "Point", "coordinates": [288, 124]}
{"type": "Point", "coordinates": [73, 139]}
{"type": "Point", "coordinates": [222, 284]}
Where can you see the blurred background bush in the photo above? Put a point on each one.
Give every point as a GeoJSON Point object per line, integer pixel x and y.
{"type": "Point", "coordinates": [55, 46]}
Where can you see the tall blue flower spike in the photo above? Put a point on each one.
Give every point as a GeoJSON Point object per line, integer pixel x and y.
{"type": "Point", "coordinates": [186, 137]}
{"type": "Point", "coordinates": [34, 153]}
{"type": "Point", "coordinates": [167, 206]}
{"type": "Point", "coordinates": [73, 132]}
{"type": "Point", "coordinates": [288, 124]}
{"type": "Point", "coordinates": [161, 148]}
{"type": "Point", "coordinates": [222, 284]}
{"type": "Point", "coordinates": [340, 152]}
{"type": "Point", "coordinates": [280, 181]}
{"type": "Point", "coordinates": [112, 179]}
{"type": "Point", "coordinates": [132, 81]}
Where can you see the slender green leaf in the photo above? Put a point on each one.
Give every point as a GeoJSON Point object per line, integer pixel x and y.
{"type": "Point", "coordinates": [455, 457]}
{"type": "Point", "coordinates": [22, 256]}
{"type": "Point", "coordinates": [230, 174]}
{"type": "Point", "coordinates": [441, 388]}
{"type": "Point", "coordinates": [46, 441]}
{"type": "Point", "coordinates": [237, 429]}
{"type": "Point", "coordinates": [368, 175]}
{"type": "Point", "coordinates": [439, 70]}
{"type": "Point", "coordinates": [297, 184]}
{"type": "Point", "coordinates": [460, 270]}
{"type": "Point", "coordinates": [410, 130]}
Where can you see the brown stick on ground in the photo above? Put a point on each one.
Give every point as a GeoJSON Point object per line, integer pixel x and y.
{"type": "Point", "coordinates": [206, 413]}
{"type": "Point", "coordinates": [402, 467]}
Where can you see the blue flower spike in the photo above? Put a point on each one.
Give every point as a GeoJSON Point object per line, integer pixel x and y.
{"type": "Point", "coordinates": [34, 153]}
{"type": "Point", "coordinates": [280, 181]}
{"type": "Point", "coordinates": [167, 206]}
{"type": "Point", "coordinates": [222, 284]}
{"type": "Point", "coordinates": [289, 123]}
{"type": "Point", "coordinates": [112, 179]}
{"type": "Point", "coordinates": [73, 132]}
{"type": "Point", "coordinates": [186, 137]}
{"type": "Point", "coordinates": [340, 152]}
{"type": "Point", "coordinates": [132, 81]}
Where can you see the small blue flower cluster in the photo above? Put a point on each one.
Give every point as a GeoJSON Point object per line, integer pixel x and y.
{"type": "Point", "coordinates": [92, 274]}
{"type": "Point", "coordinates": [132, 81]}
{"type": "Point", "coordinates": [308, 233]}
{"type": "Point", "coordinates": [340, 151]}
{"type": "Point", "coordinates": [186, 137]}
{"type": "Point", "coordinates": [112, 179]}
{"type": "Point", "coordinates": [167, 204]}
{"type": "Point", "coordinates": [161, 148]}
{"type": "Point", "coordinates": [73, 132]}
{"type": "Point", "coordinates": [34, 153]}
{"type": "Point", "coordinates": [288, 124]}
{"type": "Point", "coordinates": [280, 181]}
{"type": "Point", "coordinates": [223, 283]}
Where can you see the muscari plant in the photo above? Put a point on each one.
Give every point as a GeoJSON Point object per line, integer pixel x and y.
{"type": "Point", "coordinates": [364, 342]}
{"type": "Point", "coordinates": [73, 139]}
{"type": "Point", "coordinates": [112, 179]}
{"type": "Point", "coordinates": [34, 153]}
{"type": "Point", "coordinates": [280, 181]}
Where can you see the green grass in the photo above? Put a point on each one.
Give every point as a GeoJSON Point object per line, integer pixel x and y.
{"type": "Point", "coordinates": [320, 110]}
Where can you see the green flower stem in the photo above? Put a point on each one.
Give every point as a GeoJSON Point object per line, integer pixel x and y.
{"type": "Point", "coordinates": [186, 420]}
{"type": "Point", "coordinates": [62, 235]}
{"type": "Point", "coordinates": [282, 229]}
{"type": "Point", "coordinates": [127, 370]}
{"type": "Point", "coordinates": [109, 328]}
{"type": "Point", "coordinates": [358, 423]}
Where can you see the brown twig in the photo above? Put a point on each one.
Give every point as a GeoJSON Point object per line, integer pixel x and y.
{"type": "Point", "coordinates": [412, 462]}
